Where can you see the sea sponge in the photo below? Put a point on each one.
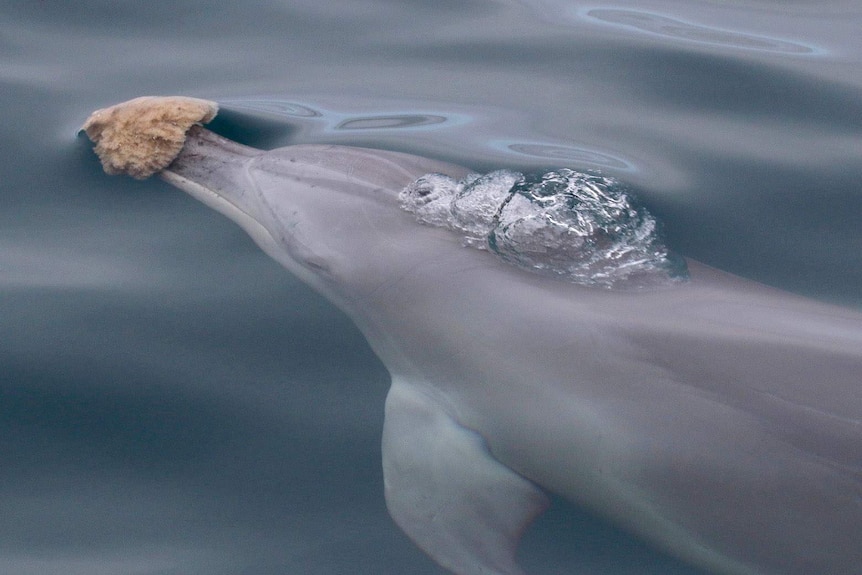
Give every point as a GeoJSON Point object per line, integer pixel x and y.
{"type": "Point", "coordinates": [143, 136]}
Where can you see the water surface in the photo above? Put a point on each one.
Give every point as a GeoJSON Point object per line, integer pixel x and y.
{"type": "Point", "coordinates": [173, 403]}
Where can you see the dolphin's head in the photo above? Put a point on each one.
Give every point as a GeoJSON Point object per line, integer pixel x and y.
{"type": "Point", "coordinates": [338, 216]}
{"type": "Point", "coordinates": [330, 214]}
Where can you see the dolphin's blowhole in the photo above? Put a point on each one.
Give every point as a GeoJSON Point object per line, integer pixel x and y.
{"type": "Point", "coordinates": [584, 228]}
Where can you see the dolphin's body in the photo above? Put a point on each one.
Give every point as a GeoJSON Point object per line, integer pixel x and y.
{"type": "Point", "coordinates": [718, 418]}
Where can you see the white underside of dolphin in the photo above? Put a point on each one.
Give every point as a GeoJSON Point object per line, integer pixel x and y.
{"type": "Point", "coordinates": [718, 418]}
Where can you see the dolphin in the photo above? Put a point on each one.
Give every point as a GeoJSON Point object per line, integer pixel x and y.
{"type": "Point", "coordinates": [715, 417]}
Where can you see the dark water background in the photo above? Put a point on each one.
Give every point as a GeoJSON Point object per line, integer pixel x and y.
{"type": "Point", "coordinates": [172, 402]}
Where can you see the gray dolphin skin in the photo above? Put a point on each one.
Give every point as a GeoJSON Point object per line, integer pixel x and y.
{"type": "Point", "coordinates": [717, 418]}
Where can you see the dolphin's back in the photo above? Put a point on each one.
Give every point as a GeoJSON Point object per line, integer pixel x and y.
{"type": "Point", "coordinates": [721, 419]}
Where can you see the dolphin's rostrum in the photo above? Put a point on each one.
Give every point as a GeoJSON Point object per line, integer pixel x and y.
{"type": "Point", "coordinates": [718, 418]}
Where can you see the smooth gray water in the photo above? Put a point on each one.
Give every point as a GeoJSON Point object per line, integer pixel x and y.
{"type": "Point", "coordinates": [172, 402]}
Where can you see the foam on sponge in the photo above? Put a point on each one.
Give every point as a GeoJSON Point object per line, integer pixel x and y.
{"type": "Point", "coordinates": [143, 136]}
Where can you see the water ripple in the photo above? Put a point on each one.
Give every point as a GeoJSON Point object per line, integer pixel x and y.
{"type": "Point", "coordinates": [275, 107]}
{"type": "Point", "coordinates": [678, 29]}
{"type": "Point", "coordinates": [397, 121]}
{"type": "Point", "coordinates": [569, 154]}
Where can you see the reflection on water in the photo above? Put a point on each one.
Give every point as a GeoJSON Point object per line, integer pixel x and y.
{"type": "Point", "coordinates": [566, 154]}
{"type": "Point", "coordinates": [322, 120]}
{"type": "Point", "coordinates": [389, 122]}
{"type": "Point", "coordinates": [672, 28]}
{"type": "Point", "coordinates": [274, 107]}
{"type": "Point", "coordinates": [317, 121]}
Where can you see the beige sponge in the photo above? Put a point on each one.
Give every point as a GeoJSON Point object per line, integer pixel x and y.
{"type": "Point", "coordinates": [143, 136]}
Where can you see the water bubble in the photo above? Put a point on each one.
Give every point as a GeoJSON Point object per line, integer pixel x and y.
{"type": "Point", "coordinates": [430, 198]}
{"type": "Point", "coordinates": [581, 227]}
{"type": "Point", "coordinates": [477, 204]}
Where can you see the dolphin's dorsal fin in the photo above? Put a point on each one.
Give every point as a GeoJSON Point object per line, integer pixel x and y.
{"type": "Point", "coordinates": [447, 492]}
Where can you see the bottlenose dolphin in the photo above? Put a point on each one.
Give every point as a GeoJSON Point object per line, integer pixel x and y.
{"type": "Point", "coordinates": [716, 417]}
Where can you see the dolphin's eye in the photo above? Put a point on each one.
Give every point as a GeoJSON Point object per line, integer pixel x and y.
{"type": "Point", "coordinates": [585, 228]}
